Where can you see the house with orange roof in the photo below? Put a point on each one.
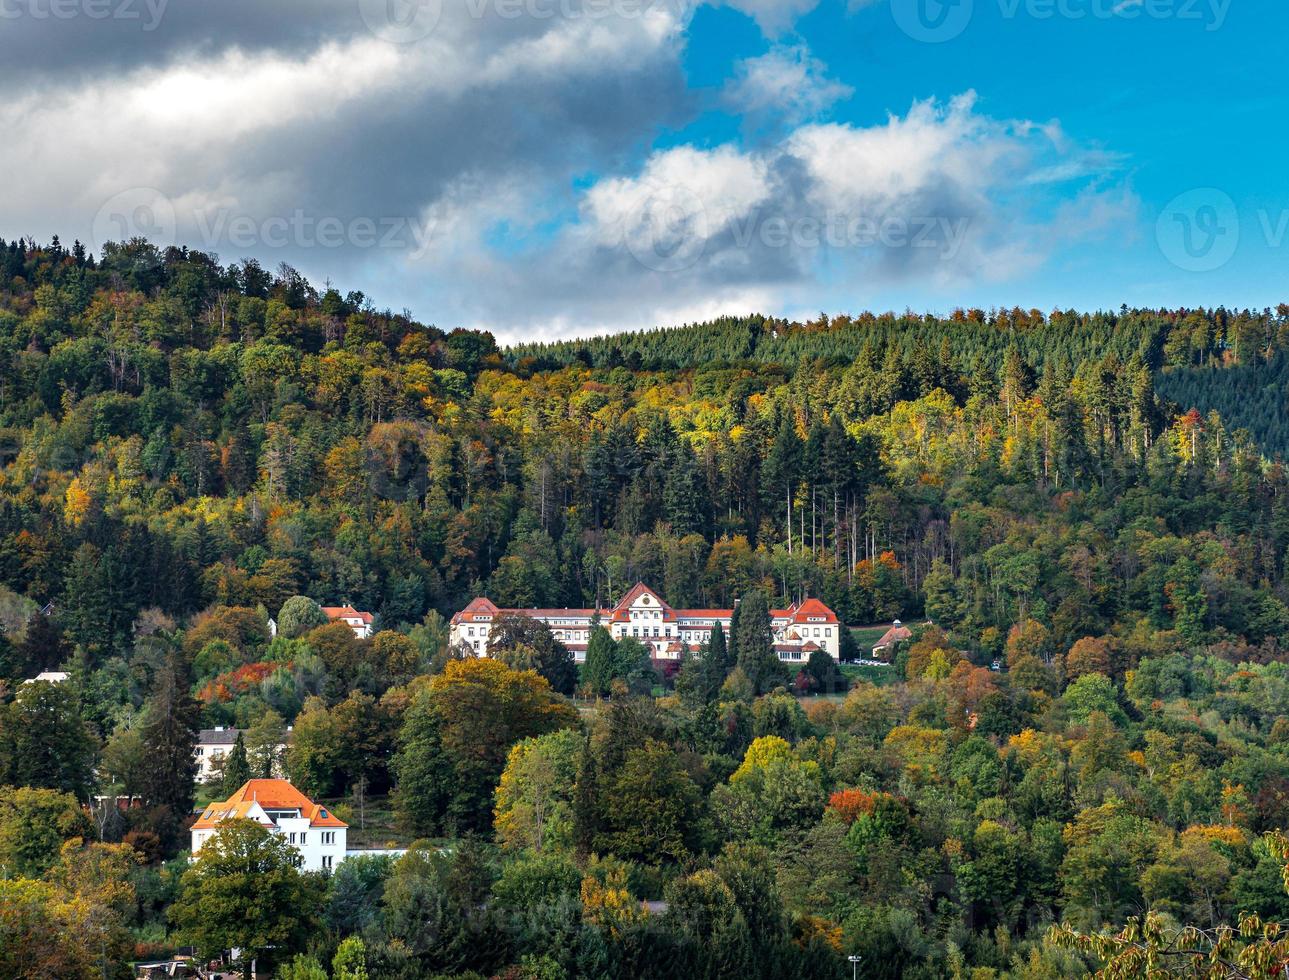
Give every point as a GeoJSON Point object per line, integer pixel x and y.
{"type": "Point", "coordinates": [885, 648]}
{"type": "Point", "coordinates": [357, 620]}
{"type": "Point", "coordinates": [315, 832]}
{"type": "Point", "coordinates": [643, 614]}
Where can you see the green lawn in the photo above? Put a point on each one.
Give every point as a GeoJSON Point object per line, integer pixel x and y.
{"type": "Point", "coordinates": [881, 676]}
{"type": "Point", "coordinates": [866, 636]}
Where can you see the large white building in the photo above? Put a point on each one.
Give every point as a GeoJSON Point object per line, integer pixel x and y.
{"type": "Point", "coordinates": [798, 630]}
{"type": "Point", "coordinates": [316, 833]}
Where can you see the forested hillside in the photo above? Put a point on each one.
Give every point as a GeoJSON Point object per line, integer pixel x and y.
{"type": "Point", "coordinates": [187, 448]}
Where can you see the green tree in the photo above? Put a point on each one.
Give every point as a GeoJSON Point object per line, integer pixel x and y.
{"type": "Point", "coordinates": [298, 616]}
{"type": "Point", "coordinates": [534, 807]}
{"type": "Point", "coordinates": [651, 808]}
{"type": "Point", "coordinates": [237, 769]}
{"type": "Point", "coordinates": [245, 890]}
{"type": "Point", "coordinates": [265, 745]}
{"type": "Point", "coordinates": [169, 733]}
{"type": "Point", "coordinates": [34, 825]}
{"type": "Point", "coordinates": [601, 654]}
{"type": "Point", "coordinates": [524, 643]}
{"type": "Point", "coordinates": [44, 742]}
{"type": "Point", "coordinates": [754, 643]}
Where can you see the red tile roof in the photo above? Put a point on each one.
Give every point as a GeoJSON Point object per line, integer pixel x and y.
{"type": "Point", "coordinates": [270, 794]}
{"type": "Point", "coordinates": [347, 612]}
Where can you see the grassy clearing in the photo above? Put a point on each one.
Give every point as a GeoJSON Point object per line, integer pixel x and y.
{"type": "Point", "coordinates": [866, 636]}
{"type": "Point", "coordinates": [881, 676]}
{"type": "Point", "coordinates": [376, 826]}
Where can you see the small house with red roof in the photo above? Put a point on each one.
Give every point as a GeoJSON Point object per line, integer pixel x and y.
{"type": "Point", "coordinates": [357, 620]}
{"type": "Point", "coordinates": [884, 649]}
{"type": "Point", "coordinates": [643, 614]}
{"type": "Point", "coordinates": [314, 831]}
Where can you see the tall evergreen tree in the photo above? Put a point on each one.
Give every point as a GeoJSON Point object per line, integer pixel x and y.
{"type": "Point", "coordinates": [237, 767]}
{"type": "Point", "coordinates": [601, 658]}
{"type": "Point", "coordinates": [754, 643]}
{"type": "Point", "coordinates": [170, 739]}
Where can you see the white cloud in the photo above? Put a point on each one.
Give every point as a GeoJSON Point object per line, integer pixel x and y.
{"type": "Point", "coordinates": [774, 17]}
{"type": "Point", "coordinates": [784, 81]}
{"type": "Point", "coordinates": [374, 127]}
{"type": "Point", "coordinates": [941, 195]}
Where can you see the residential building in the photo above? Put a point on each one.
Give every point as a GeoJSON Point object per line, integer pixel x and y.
{"type": "Point", "coordinates": [891, 639]}
{"type": "Point", "coordinates": [358, 621]}
{"type": "Point", "coordinates": [49, 677]}
{"type": "Point", "coordinates": [798, 630]}
{"type": "Point", "coordinates": [215, 743]}
{"type": "Point", "coordinates": [317, 834]}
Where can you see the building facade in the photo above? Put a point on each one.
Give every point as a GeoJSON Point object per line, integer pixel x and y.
{"type": "Point", "coordinates": [213, 744]}
{"type": "Point", "coordinates": [798, 630]}
{"type": "Point", "coordinates": [317, 834]}
{"type": "Point", "coordinates": [357, 620]}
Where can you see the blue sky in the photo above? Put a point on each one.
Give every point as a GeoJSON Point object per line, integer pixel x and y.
{"type": "Point", "coordinates": [547, 168]}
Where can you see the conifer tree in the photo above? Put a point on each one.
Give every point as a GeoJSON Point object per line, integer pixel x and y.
{"type": "Point", "coordinates": [754, 642]}
{"type": "Point", "coordinates": [237, 768]}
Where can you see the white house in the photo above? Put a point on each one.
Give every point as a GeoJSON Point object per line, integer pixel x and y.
{"type": "Point", "coordinates": [49, 677]}
{"type": "Point", "coordinates": [316, 833]}
{"type": "Point", "coordinates": [885, 648]}
{"type": "Point", "coordinates": [798, 630]}
{"type": "Point", "coordinates": [215, 743]}
{"type": "Point", "coordinates": [358, 621]}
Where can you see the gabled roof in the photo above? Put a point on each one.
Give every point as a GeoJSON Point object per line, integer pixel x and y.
{"type": "Point", "coordinates": [805, 611]}
{"type": "Point", "coordinates": [896, 634]}
{"type": "Point", "coordinates": [622, 611]}
{"type": "Point", "coordinates": [347, 612]}
{"type": "Point", "coordinates": [217, 736]}
{"type": "Point", "coordinates": [267, 794]}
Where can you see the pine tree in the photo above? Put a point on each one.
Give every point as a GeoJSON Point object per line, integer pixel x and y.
{"type": "Point", "coordinates": [601, 657]}
{"type": "Point", "coordinates": [586, 803]}
{"type": "Point", "coordinates": [754, 643]}
{"type": "Point", "coordinates": [237, 768]}
{"type": "Point", "coordinates": [170, 739]}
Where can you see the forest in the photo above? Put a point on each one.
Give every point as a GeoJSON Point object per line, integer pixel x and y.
{"type": "Point", "coordinates": [1079, 762]}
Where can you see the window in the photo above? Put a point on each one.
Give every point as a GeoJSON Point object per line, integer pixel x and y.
{"type": "Point", "coordinates": [302, 837]}
{"type": "Point", "coordinates": [328, 837]}
{"type": "Point", "coordinates": [290, 838]}
{"type": "Point", "coordinates": [326, 862]}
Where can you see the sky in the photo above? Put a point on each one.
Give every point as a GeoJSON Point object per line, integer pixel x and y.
{"type": "Point", "coordinates": [556, 168]}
